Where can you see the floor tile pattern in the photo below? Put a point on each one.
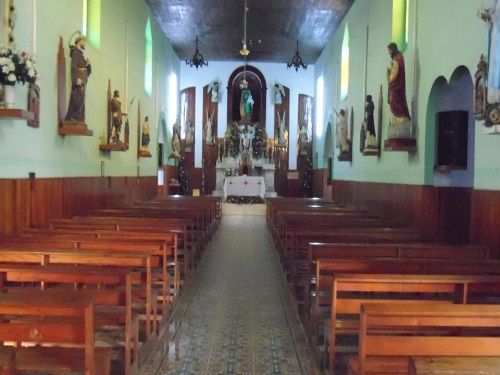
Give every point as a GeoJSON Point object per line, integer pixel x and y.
{"type": "Point", "coordinates": [236, 322]}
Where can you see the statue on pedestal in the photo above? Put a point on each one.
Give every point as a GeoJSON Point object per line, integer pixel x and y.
{"type": "Point", "coordinates": [117, 117]}
{"type": "Point", "coordinates": [213, 90]}
{"type": "Point", "coordinates": [80, 71]}
{"type": "Point", "coordinates": [176, 140]}
{"type": "Point", "coordinates": [303, 140]}
{"type": "Point", "coordinates": [371, 136]}
{"type": "Point", "coordinates": [400, 124]}
{"type": "Point", "coordinates": [145, 138]}
{"type": "Point", "coordinates": [209, 139]}
{"type": "Point", "coordinates": [246, 101]}
{"type": "Point", "coordinates": [343, 143]}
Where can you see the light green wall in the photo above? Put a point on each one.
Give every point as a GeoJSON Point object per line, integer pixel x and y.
{"type": "Point", "coordinates": [43, 151]}
{"type": "Point", "coordinates": [449, 35]}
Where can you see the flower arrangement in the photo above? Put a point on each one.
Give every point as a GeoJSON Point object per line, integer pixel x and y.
{"type": "Point", "coordinates": [17, 67]}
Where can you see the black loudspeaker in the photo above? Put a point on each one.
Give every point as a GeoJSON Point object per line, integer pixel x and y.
{"type": "Point", "coordinates": [160, 155]}
{"type": "Point", "coordinates": [452, 140]}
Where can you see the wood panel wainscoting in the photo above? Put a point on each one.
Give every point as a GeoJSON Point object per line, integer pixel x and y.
{"type": "Point", "coordinates": [34, 203]}
{"type": "Point", "coordinates": [485, 220]}
{"type": "Point", "coordinates": [439, 213]}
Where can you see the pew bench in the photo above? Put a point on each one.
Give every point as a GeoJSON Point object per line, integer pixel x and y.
{"type": "Point", "coordinates": [454, 366]}
{"type": "Point", "coordinates": [473, 330]}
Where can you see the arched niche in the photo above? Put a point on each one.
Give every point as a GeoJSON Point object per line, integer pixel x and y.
{"type": "Point", "coordinates": [258, 88]}
{"type": "Point", "coordinates": [457, 94]}
{"type": "Point", "coordinates": [328, 148]}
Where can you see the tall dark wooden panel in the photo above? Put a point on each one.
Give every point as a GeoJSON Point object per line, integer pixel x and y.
{"type": "Point", "coordinates": [282, 116]}
{"type": "Point", "coordinates": [210, 113]}
{"type": "Point", "coordinates": [188, 108]}
{"type": "Point", "coordinates": [304, 145]}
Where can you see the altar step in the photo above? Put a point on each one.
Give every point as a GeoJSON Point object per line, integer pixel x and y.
{"type": "Point", "coordinates": [269, 194]}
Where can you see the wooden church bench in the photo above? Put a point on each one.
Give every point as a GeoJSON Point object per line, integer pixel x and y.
{"type": "Point", "coordinates": [380, 342]}
{"type": "Point", "coordinates": [154, 250]}
{"type": "Point", "coordinates": [328, 270]}
{"type": "Point", "coordinates": [7, 361]}
{"type": "Point", "coordinates": [306, 270]}
{"type": "Point", "coordinates": [114, 289]}
{"type": "Point", "coordinates": [454, 366]}
{"type": "Point", "coordinates": [77, 309]}
{"type": "Point", "coordinates": [349, 291]}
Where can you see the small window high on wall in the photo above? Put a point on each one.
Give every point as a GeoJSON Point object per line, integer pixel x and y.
{"type": "Point", "coordinates": [320, 101]}
{"type": "Point", "coordinates": [344, 66]}
{"type": "Point", "coordinates": [400, 31]}
{"type": "Point", "coordinates": [91, 27]}
{"type": "Point", "coordinates": [148, 63]}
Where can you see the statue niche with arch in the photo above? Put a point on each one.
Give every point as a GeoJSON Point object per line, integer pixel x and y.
{"type": "Point", "coordinates": [246, 116]}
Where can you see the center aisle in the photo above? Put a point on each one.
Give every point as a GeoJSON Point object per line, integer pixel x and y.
{"type": "Point", "coordinates": [239, 318]}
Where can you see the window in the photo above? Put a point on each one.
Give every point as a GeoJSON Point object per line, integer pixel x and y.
{"type": "Point", "coordinates": [172, 99]}
{"type": "Point", "coordinates": [319, 106]}
{"type": "Point", "coordinates": [344, 69]}
{"type": "Point", "coordinates": [148, 63]}
{"type": "Point", "coordinates": [91, 27]}
{"type": "Point", "coordinates": [400, 30]}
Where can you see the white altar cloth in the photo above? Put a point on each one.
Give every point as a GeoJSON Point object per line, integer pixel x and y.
{"type": "Point", "coordinates": [248, 186]}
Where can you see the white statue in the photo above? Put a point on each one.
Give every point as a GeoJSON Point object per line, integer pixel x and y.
{"type": "Point", "coordinates": [189, 131]}
{"type": "Point", "coordinates": [279, 93]}
{"type": "Point", "coordinates": [303, 140]}
{"type": "Point", "coordinates": [282, 129]}
{"type": "Point", "coordinates": [342, 132]}
{"type": "Point", "coordinates": [209, 139]}
{"type": "Point", "coordinates": [213, 89]}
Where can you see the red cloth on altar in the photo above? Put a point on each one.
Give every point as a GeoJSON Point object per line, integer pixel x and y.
{"type": "Point", "coordinates": [397, 91]}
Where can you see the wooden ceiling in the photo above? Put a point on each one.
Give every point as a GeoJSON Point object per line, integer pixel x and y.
{"type": "Point", "coordinates": [273, 27]}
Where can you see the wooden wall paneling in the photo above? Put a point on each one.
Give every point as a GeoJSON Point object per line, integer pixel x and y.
{"type": "Point", "coordinates": [210, 151]}
{"type": "Point", "coordinates": [485, 220]}
{"type": "Point", "coordinates": [399, 205]}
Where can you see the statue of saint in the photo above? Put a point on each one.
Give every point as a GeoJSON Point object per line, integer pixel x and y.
{"type": "Point", "coordinates": [342, 132]}
{"type": "Point", "coordinates": [246, 101]}
{"type": "Point", "coordinates": [400, 123]}
{"type": "Point", "coordinates": [80, 70]}
{"type": "Point", "coordinates": [279, 92]}
{"type": "Point", "coordinates": [282, 130]}
{"type": "Point", "coordinates": [189, 129]}
{"type": "Point", "coordinates": [145, 138]}
{"type": "Point", "coordinates": [176, 140]}
{"type": "Point", "coordinates": [213, 89]}
{"type": "Point", "coordinates": [209, 139]}
{"type": "Point", "coordinates": [494, 56]}
{"type": "Point", "coordinates": [371, 136]}
{"type": "Point", "coordinates": [303, 140]}
{"type": "Point", "coordinates": [117, 117]}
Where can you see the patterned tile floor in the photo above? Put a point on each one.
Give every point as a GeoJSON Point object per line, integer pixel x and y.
{"type": "Point", "coordinates": [239, 319]}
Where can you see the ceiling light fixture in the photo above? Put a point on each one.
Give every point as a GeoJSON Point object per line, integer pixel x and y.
{"type": "Point", "coordinates": [197, 60]}
{"type": "Point", "coordinates": [297, 62]}
{"type": "Point", "coordinates": [244, 51]}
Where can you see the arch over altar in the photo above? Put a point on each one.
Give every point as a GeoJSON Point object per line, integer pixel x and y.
{"type": "Point", "coordinates": [245, 144]}
{"type": "Point", "coordinates": [258, 89]}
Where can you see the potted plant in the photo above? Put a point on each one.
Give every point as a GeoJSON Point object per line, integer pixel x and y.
{"type": "Point", "coordinates": [15, 68]}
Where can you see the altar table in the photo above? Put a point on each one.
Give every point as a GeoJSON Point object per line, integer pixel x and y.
{"type": "Point", "coordinates": [248, 186]}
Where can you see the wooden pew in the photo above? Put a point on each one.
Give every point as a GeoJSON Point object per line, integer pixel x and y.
{"type": "Point", "coordinates": [349, 291]}
{"type": "Point", "coordinates": [154, 249]}
{"type": "Point", "coordinates": [120, 279]}
{"type": "Point", "coordinates": [454, 365]}
{"type": "Point", "coordinates": [15, 308]}
{"type": "Point", "coordinates": [307, 271]}
{"type": "Point", "coordinates": [186, 240]}
{"type": "Point", "coordinates": [473, 331]}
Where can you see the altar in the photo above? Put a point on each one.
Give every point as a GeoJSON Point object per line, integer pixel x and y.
{"type": "Point", "coordinates": [244, 186]}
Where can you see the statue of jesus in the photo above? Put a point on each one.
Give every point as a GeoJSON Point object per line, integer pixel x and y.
{"type": "Point", "coordinates": [246, 101]}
